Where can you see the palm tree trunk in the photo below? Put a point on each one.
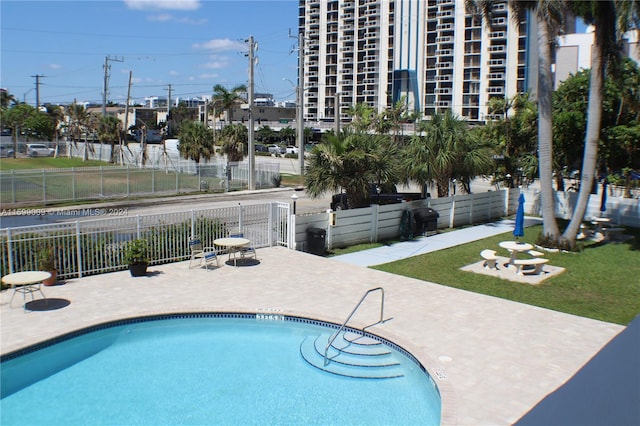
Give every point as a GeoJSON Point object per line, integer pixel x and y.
{"type": "Point", "coordinates": [545, 137]}
{"type": "Point", "coordinates": [594, 115]}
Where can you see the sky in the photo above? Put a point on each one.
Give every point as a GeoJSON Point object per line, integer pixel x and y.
{"type": "Point", "coordinates": [191, 45]}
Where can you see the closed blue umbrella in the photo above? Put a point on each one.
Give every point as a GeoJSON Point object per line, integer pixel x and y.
{"type": "Point", "coordinates": [603, 199]}
{"type": "Point", "coordinates": [518, 230]}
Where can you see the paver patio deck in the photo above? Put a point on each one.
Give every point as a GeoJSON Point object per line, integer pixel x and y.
{"type": "Point", "coordinates": [492, 359]}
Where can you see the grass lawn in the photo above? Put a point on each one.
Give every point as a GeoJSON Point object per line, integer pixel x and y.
{"type": "Point", "coordinates": [7, 164]}
{"type": "Point", "coordinates": [600, 282]}
{"type": "Point", "coordinates": [291, 180]}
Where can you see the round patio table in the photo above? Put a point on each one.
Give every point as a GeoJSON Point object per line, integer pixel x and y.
{"type": "Point", "coordinates": [26, 282]}
{"type": "Point", "coordinates": [514, 248]}
{"type": "Point", "coordinates": [232, 244]}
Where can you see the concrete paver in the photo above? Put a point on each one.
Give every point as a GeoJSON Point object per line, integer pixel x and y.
{"type": "Point", "coordinates": [492, 359]}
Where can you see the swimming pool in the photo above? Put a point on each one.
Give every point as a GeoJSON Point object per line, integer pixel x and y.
{"type": "Point", "coordinates": [204, 369]}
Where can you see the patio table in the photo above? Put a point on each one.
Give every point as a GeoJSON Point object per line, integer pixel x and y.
{"type": "Point", "coordinates": [514, 248]}
{"type": "Point", "coordinates": [232, 244]}
{"type": "Point", "coordinates": [26, 282]}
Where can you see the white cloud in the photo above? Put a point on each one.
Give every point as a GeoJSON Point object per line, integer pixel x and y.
{"type": "Point", "coordinates": [208, 76]}
{"type": "Point", "coordinates": [221, 45]}
{"type": "Point", "coordinates": [217, 62]}
{"type": "Point", "coordinates": [160, 17]}
{"type": "Point", "coordinates": [55, 66]}
{"type": "Point", "coordinates": [163, 4]}
{"type": "Point", "coordinates": [166, 17]}
{"type": "Point", "coordinates": [173, 73]}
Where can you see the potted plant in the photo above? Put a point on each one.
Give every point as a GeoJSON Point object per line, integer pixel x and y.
{"type": "Point", "coordinates": [47, 262]}
{"type": "Point", "coordinates": [137, 257]}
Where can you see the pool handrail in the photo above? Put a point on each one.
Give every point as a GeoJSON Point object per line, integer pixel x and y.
{"type": "Point", "coordinates": [334, 335]}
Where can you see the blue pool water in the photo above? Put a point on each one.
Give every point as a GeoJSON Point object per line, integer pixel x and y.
{"type": "Point", "coordinates": [203, 371]}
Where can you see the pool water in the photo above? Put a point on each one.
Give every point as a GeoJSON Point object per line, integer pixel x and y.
{"type": "Point", "coordinates": [203, 371]}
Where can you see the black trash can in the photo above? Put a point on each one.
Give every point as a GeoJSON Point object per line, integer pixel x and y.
{"type": "Point", "coordinates": [316, 238]}
{"type": "Point", "coordinates": [426, 220]}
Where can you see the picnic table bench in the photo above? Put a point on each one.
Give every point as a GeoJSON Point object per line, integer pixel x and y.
{"type": "Point", "coordinates": [536, 262]}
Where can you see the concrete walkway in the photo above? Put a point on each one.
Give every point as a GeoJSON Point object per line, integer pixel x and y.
{"type": "Point", "coordinates": [421, 245]}
{"type": "Point", "coordinates": [492, 359]}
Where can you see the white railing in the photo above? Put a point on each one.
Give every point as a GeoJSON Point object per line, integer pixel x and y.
{"type": "Point", "coordinates": [97, 246]}
{"type": "Point", "coordinates": [47, 186]}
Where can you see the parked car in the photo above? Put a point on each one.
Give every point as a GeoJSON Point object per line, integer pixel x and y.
{"type": "Point", "coordinates": [276, 149]}
{"type": "Point", "coordinates": [6, 152]}
{"type": "Point", "coordinates": [261, 148]}
{"type": "Point", "coordinates": [39, 150]}
{"type": "Point", "coordinates": [291, 149]}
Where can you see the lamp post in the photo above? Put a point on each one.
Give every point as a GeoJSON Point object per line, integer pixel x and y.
{"type": "Point", "coordinates": [294, 197]}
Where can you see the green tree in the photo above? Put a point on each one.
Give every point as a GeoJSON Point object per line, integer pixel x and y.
{"type": "Point", "coordinates": [196, 142]}
{"type": "Point", "coordinates": [56, 113]}
{"type": "Point", "coordinates": [265, 134]}
{"type": "Point", "coordinates": [287, 134]}
{"type": "Point", "coordinates": [178, 115]}
{"type": "Point", "coordinates": [6, 99]}
{"type": "Point", "coordinates": [39, 125]}
{"type": "Point", "coordinates": [603, 15]}
{"type": "Point", "coordinates": [549, 17]}
{"type": "Point", "coordinates": [235, 142]}
{"type": "Point", "coordinates": [352, 162]}
{"type": "Point", "coordinates": [109, 131]}
{"type": "Point", "coordinates": [15, 118]}
{"type": "Point", "coordinates": [225, 99]}
{"type": "Point", "coordinates": [444, 150]}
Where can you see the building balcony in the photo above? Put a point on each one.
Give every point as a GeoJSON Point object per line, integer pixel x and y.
{"type": "Point", "coordinates": [444, 39]}
{"type": "Point", "coordinates": [495, 76]}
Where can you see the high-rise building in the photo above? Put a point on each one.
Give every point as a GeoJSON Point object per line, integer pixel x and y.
{"type": "Point", "coordinates": [432, 53]}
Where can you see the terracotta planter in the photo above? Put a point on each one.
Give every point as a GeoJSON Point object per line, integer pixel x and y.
{"type": "Point", "coordinates": [52, 279]}
{"type": "Point", "coordinates": [138, 269]}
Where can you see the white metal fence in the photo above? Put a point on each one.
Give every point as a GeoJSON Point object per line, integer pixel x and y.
{"type": "Point", "coordinates": [162, 174]}
{"type": "Point", "coordinates": [97, 246]}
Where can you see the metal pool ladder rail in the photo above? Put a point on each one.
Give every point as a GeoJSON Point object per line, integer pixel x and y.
{"type": "Point", "coordinates": [334, 335]}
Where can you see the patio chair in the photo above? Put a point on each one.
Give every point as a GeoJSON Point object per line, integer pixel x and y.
{"type": "Point", "coordinates": [246, 250]}
{"type": "Point", "coordinates": [201, 254]}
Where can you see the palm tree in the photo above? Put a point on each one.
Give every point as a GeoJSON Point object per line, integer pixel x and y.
{"type": "Point", "coordinates": [225, 99]}
{"type": "Point", "coordinates": [78, 118]}
{"type": "Point", "coordinates": [443, 150]}
{"type": "Point", "coordinates": [287, 134]}
{"type": "Point", "coordinates": [6, 99]}
{"type": "Point", "coordinates": [352, 162]}
{"type": "Point", "coordinates": [549, 17]}
{"type": "Point", "coordinates": [109, 131]}
{"type": "Point", "coordinates": [607, 16]}
{"type": "Point", "coordinates": [57, 116]}
{"type": "Point", "coordinates": [234, 142]}
{"type": "Point", "coordinates": [265, 134]}
{"type": "Point", "coordinates": [196, 142]}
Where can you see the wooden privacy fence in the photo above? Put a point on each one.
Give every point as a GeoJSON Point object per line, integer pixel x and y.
{"type": "Point", "coordinates": [96, 246]}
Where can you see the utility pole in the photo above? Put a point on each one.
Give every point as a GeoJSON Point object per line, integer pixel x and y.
{"type": "Point", "coordinates": [168, 111]}
{"type": "Point", "coordinates": [38, 77]}
{"type": "Point", "coordinates": [300, 103]}
{"type": "Point", "coordinates": [252, 160]}
{"type": "Point", "coordinates": [126, 120]}
{"type": "Point", "coordinates": [105, 91]}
